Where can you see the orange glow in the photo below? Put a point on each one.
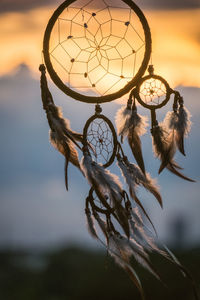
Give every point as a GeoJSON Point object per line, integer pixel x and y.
{"type": "Point", "coordinates": [176, 46]}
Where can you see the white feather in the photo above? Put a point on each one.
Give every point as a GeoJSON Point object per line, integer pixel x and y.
{"type": "Point", "coordinates": [122, 120]}
{"type": "Point", "coordinates": [127, 119]}
{"type": "Point", "coordinates": [179, 121]}
{"type": "Point", "coordinates": [135, 177]}
{"type": "Point", "coordinates": [108, 183]}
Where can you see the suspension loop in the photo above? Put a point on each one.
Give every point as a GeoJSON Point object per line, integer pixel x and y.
{"type": "Point", "coordinates": [153, 92]}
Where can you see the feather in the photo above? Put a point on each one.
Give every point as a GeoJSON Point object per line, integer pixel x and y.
{"type": "Point", "coordinates": [106, 186]}
{"type": "Point", "coordinates": [123, 261]}
{"type": "Point", "coordinates": [132, 186]}
{"type": "Point", "coordinates": [122, 119]}
{"type": "Point", "coordinates": [129, 247]}
{"type": "Point", "coordinates": [59, 135]}
{"type": "Point", "coordinates": [90, 224]}
{"type": "Point", "coordinates": [102, 224]}
{"type": "Point", "coordinates": [180, 122]}
{"type": "Point", "coordinates": [65, 147]}
{"type": "Point", "coordinates": [134, 177]}
{"type": "Point", "coordinates": [135, 145]}
{"type": "Point", "coordinates": [151, 185]}
{"type": "Point", "coordinates": [53, 111]}
{"type": "Point", "coordinates": [164, 149]}
{"type": "Point", "coordinates": [173, 170]}
{"type": "Point", "coordinates": [129, 123]}
{"type": "Point", "coordinates": [45, 93]}
{"type": "Point", "coordinates": [66, 169]}
{"type": "Point", "coordinates": [163, 145]}
{"type": "Point", "coordinates": [183, 270]}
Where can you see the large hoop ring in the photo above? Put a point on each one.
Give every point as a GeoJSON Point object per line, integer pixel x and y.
{"type": "Point", "coordinates": [105, 98]}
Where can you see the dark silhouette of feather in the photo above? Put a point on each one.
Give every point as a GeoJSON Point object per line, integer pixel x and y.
{"type": "Point", "coordinates": [172, 169]}
{"type": "Point", "coordinates": [180, 143]}
{"type": "Point", "coordinates": [90, 224]}
{"type": "Point", "coordinates": [183, 270]}
{"type": "Point", "coordinates": [66, 148]}
{"type": "Point", "coordinates": [151, 186]}
{"type": "Point", "coordinates": [133, 276]}
{"type": "Point", "coordinates": [66, 173]}
{"type": "Point", "coordinates": [61, 136]}
{"type": "Point", "coordinates": [133, 177]}
{"type": "Point", "coordinates": [122, 258]}
{"type": "Point", "coordinates": [123, 219]}
{"type": "Point", "coordinates": [102, 224]}
{"type": "Point", "coordinates": [106, 186]}
{"type": "Point", "coordinates": [144, 211]}
{"type": "Point", "coordinates": [164, 146]}
{"type": "Point", "coordinates": [135, 145]}
{"type": "Point", "coordinates": [132, 125]}
{"type": "Point", "coordinates": [67, 157]}
{"type": "Point", "coordinates": [176, 165]}
{"type": "Point", "coordinates": [179, 121]}
{"type": "Point", "coordinates": [129, 247]}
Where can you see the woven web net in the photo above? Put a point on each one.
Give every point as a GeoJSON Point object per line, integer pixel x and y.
{"type": "Point", "coordinates": [100, 139]}
{"type": "Point", "coordinates": [153, 91]}
{"type": "Point", "coordinates": [97, 46]}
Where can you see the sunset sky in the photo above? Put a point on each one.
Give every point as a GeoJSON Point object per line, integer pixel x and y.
{"type": "Point", "coordinates": [176, 38]}
{"type": "Point", "coordinates": [35, 209]}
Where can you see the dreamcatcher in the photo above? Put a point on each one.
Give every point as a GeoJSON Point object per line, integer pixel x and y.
{"type": "Point", "coordinates": [97, 51]}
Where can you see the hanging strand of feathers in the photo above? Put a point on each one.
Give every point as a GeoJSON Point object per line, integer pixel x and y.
{"type": "Point", "coordinates": [61, 136]}
{"type": "Point", "coordinates": [139, 243]}
{"type": "Point", "coordinates": [107, 187]}
{"type": "Point", "coordinates": [178, 120]}
{"type": "Point", "coordinates": [137, 240]}
{"type": "Point", "coordinates": [132, 125]}
{"type": "Point", "coordinates": [165, 137]}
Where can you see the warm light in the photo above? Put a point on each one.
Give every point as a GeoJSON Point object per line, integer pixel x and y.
{"type": "Point", "coordinates": [99, 50]}
{"type": "Point", "coordinates": [176, 48]}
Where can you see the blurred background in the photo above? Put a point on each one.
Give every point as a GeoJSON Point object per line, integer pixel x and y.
{"type": "Point", "coordinates": [45, 249]}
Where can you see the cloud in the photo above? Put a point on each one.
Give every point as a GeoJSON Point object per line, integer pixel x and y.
{"type": "Point", "coordinates": [21, 5]}
{"type": "Point", "coordinates": [170, 4]}
{"type": "Point", "coordinates": [175, 35]}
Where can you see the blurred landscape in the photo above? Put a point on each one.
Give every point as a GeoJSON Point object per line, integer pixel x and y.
{"type": "Point", "coordinates": [73, 273]}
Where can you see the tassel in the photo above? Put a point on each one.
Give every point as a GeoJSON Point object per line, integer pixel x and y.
{"type": "Point", "coordinates": [107, 186]}
{"type": "Point", "coordinates": [61, 135]}
{"type": "Point", "coordinates": [165, 148]}
{"type": "Point", "coordinates": [129, 123]}
{"type": "Point", "coordinates": [179, 121]}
